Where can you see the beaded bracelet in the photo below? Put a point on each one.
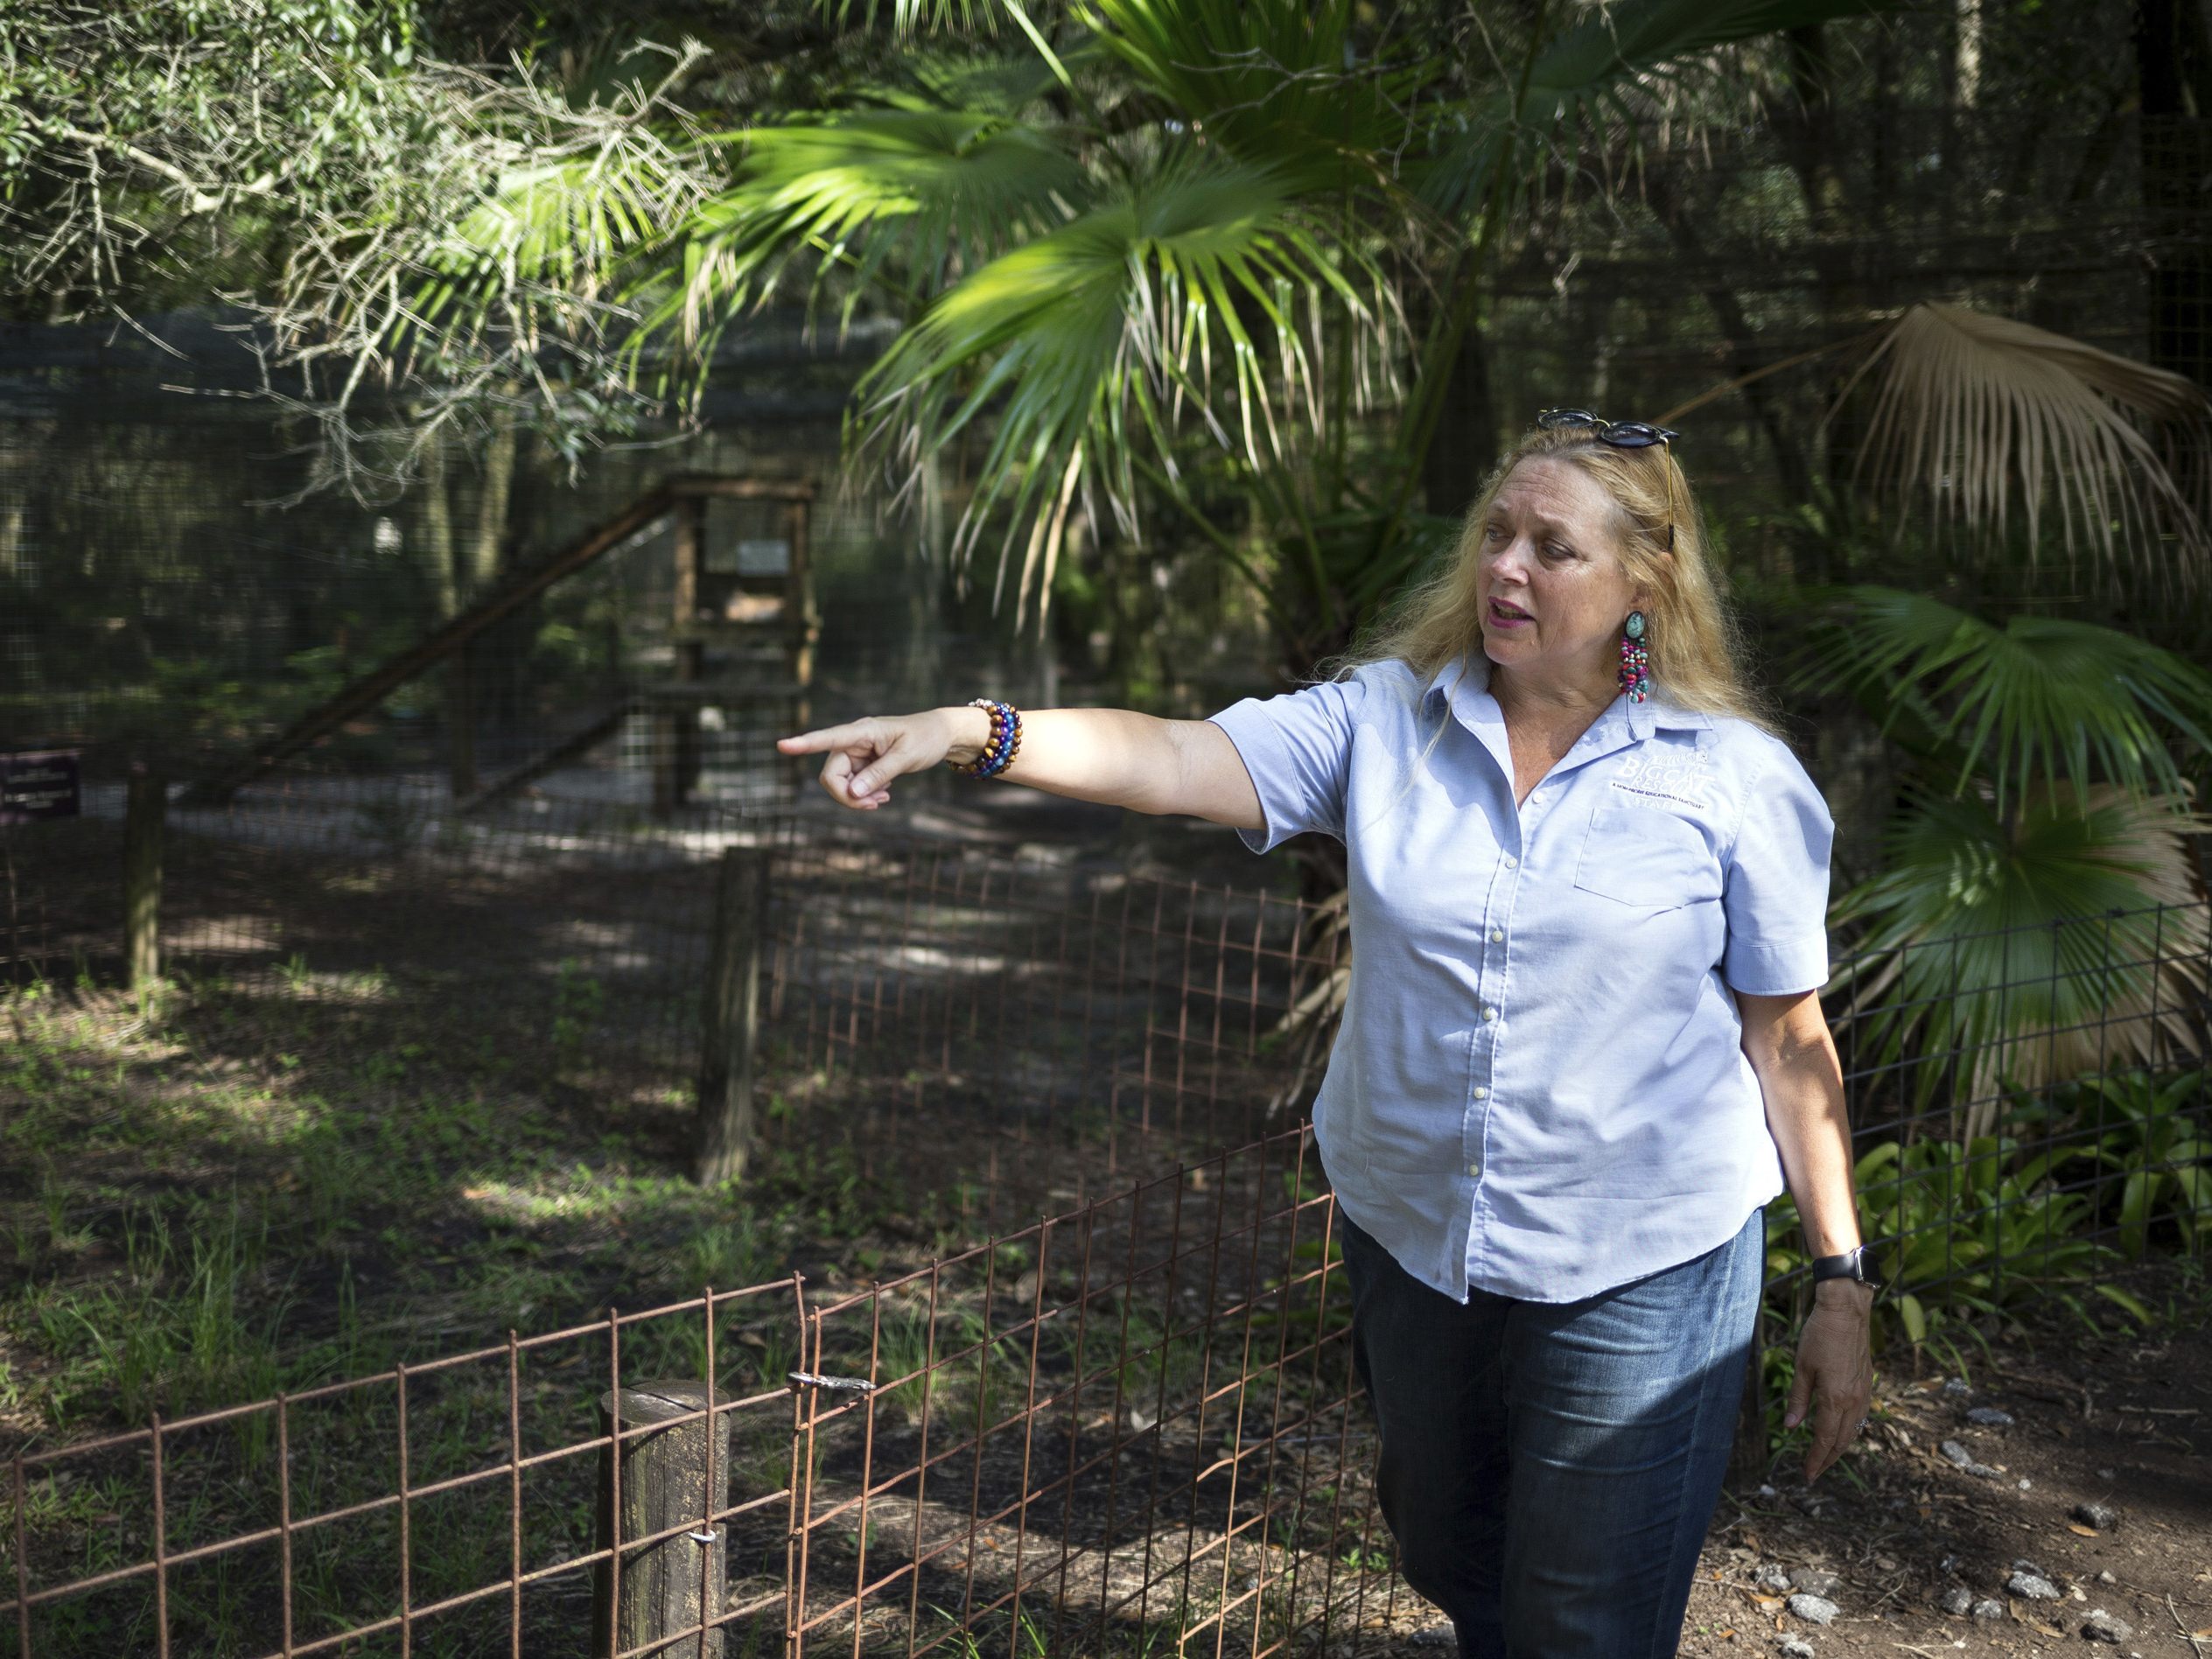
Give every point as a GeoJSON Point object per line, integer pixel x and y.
{"type": "Point", "coordinates": [1002, 744]}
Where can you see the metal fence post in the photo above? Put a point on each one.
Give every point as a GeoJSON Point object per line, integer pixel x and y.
{"type": "Point", "coordinates": [731, 1020]}
{"type": "Point", "coordinates": [145, 809]}
{"type": "Point", "coordinates": [674, 1585]}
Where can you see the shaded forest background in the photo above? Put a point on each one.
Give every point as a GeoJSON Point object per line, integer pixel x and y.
{"type": "Point", "coordinates": [2037, 161]}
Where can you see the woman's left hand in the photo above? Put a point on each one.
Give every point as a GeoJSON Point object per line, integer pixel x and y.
{"type": "Point", "coordinates": [1835, 1372]}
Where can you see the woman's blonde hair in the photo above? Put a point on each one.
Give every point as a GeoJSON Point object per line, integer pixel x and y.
{"type": "Point", "coordinates": [1695, 652]}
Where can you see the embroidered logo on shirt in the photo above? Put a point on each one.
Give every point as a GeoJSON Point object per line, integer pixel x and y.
{"type": "Point", "coordinates": [1682, 775]}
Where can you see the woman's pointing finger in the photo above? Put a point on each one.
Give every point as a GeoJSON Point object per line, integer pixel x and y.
{"type": "Point", "coordinates": [815, 742]}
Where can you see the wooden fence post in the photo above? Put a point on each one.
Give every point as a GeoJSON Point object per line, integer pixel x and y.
{"type": "Point", "coordinates": [669, 1586]}
{"type": "Point", "coordinates": [145, 809]}
{"type": "Point", "coordinates": [731, 1017]}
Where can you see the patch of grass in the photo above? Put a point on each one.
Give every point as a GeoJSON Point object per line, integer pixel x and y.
{"type": "Point", "coordinates": [265, 1181]}
{"type": "Point", "coordinates": [171, 1333]}
{"type": "Point", "coordinates": [746, 1249]}
{"type": "Point", "coordinates": [579, 1002]}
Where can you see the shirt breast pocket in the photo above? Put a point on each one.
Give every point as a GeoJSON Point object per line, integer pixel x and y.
{"type": "Point", "coordinates": [1644, 856]}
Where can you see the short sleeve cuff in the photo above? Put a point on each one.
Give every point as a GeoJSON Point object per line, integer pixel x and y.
{"type": "Point", "coordinates": [1266, 758]}
{"type": "Point", "coordinates": [1777, 970]}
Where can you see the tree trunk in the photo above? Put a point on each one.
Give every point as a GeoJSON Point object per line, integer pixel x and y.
{"type": "Point", "coordinates": [501, 668]}
{"type": "Point", "coordinates": [492, 504]}
{"type": "Point", "coordinates": [729, 1019]}
{"type": "Point", "coordinates": [1966, 52]}
{"type": "Point", "coordinates": [437, 533]}
{"type": "Point", "coordinates": [146, 815]}
{"type": "Point", "coordinates": [1804, 122]}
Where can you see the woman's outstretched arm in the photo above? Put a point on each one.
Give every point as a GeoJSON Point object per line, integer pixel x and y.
{"type": "Point", "coordinates": [1114, 756]}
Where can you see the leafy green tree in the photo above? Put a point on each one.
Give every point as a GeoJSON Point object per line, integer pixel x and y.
{"type": "Point", "coordinates": [151, 153]}
{"type": "Point", "coordinates": [410, 240]}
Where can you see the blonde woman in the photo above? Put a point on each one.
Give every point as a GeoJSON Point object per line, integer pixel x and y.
{"type": "Point", "coordinates": [1583, 1045]}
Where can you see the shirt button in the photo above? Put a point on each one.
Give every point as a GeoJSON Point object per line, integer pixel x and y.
{"type": "Point", "coordinates": [1481, 1093]}
{"type": "Point", "coordinates": [1475, 1169]}
{"type": "Point", "coordinates": [1489, 1014]}
{"type": "Point", "coordinates": [1497, 935]}
{"type": "Point", "coordinates": [1509, 861]}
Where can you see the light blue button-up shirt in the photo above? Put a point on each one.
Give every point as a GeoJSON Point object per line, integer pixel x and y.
{"type": "Point", "coordinates": [1539, 1088]}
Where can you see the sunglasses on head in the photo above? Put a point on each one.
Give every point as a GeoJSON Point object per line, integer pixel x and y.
{"type": "Point", "coordinates": [1619, 435]}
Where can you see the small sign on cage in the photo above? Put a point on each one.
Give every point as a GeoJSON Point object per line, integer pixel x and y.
{"type": "Point", "coordinates": [38, 783]}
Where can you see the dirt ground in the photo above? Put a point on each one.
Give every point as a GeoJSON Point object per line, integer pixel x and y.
{"type": "Point", "coordinates": [2092, 1465]}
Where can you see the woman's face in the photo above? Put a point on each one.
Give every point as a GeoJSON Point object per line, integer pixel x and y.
{"type": "Point", "coordinates": [1553, 589]}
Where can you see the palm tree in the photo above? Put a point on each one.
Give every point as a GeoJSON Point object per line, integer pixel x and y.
{"type": "Point", "coordinates": [2040, 912]}
{"type": "Point", "coordinates": [1162, 237]}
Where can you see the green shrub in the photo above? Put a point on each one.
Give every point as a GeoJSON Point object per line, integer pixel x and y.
{"type": "Point", "coordinates": [2149, 1131]}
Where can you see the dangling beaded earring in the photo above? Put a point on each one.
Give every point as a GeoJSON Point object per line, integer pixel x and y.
{"type": "Point", "coordinates": [1635, 658]}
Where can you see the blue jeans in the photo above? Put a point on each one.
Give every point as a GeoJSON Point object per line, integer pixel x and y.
{"type": "Point", "coordinates": [1549, 1469]}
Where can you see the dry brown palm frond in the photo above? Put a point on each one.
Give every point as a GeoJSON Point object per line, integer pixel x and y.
{"type": "Point", "coordinates": [1971, 409]}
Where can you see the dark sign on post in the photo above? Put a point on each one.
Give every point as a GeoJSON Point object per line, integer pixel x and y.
{"type": "Point", "coordinates": [37, 783]}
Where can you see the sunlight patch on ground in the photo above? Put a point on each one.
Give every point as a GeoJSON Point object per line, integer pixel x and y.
{"type": "Point", "coordinates": [575, 1194]}
{"type": "Point", "coordinates": [239, 933]}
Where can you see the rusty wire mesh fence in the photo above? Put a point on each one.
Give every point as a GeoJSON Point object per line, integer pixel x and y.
{"type": "Point", "coordinates": [1128, 1428]}
{"type": "Point", "coordinates": [1124, 1429]}
{"type": "Point", "coordinates": [1131, 1424]}
{"type": "Point", "coordinates": [988, 1010]}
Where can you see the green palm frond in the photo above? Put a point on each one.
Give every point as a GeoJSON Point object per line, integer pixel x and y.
{"type": "Point", "coordinates": [550, 239]}
{"type": "Point", "coordinates": [2071, 937]}
{"type": "Point", "coordinates": [903, 198]}
{"type": "Point", "coordinates": [1007, 85]}
{"type": "Point", "coordinates": [1198, 291]}
{"type": "Point", "coordinates": [1970, 410]}
{"type": "Point", "coordinates": [1277, 83]}
{"type": "Point", "coordinates": [2037, 700]}
{"type": "Point", "coordinates": [1578, 81]}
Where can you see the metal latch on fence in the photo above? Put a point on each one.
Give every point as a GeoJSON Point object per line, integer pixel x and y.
{"type": "Point", "coordinates": [835, 1384]}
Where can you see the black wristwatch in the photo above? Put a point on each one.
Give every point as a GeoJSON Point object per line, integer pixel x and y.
{"type": "Point", "coordinates": [1859, 1265]}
